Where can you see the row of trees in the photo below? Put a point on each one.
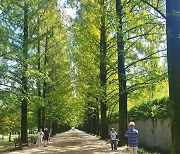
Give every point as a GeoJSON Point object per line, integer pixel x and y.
{"type": "Point", "coordinates": [111, 55]}
{"type": "Point", "coordinates": [119, 50]}
{"type": "Point", "coordinates": [35, 70]}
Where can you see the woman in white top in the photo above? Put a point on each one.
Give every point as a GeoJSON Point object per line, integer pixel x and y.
{"type": "Point", "coordinates": [40, 137]}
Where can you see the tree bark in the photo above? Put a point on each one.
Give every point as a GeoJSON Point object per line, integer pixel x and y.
{"type": "Point", "coordinates": [24, 77]}
{"type": "Point", "coordinates": [173, 56]}
{"type": "Point", "coordinates": [54, 128]}
{"type": "Point", "coordinates": [3, 136]}
{"type": "Point", "coordinates": [10, 136]}
{"type": "Point", "coordinates": [95, 123]}
{"type": "Point", "coordinates": [91, 124]}
{"type": "Point", "coordinates": [103, 73]}
{"type": "Point", "coordinates": [44, 85]}
{"type": "Point", "coordinates": [121, 76]}
{"type": "Point", "coordinates": [39, 114]}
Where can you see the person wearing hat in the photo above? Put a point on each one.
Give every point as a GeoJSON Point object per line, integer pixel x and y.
{"type": "Point", "coordinates": [132, 135]}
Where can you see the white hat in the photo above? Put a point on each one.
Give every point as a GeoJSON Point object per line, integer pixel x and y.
{"type": "Point", "coordinates": [131, 124]}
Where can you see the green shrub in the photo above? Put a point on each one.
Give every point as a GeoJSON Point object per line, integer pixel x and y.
{"type": "Point", "coordinates": [158, 108]}
{"type": "Point", "coordinates": [143, 151]}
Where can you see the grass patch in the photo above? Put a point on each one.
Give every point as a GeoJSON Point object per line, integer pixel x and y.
{"type": "Point", "coordinates": [143, 151]}
{"type": "Point", "coordinates": [5, 145]}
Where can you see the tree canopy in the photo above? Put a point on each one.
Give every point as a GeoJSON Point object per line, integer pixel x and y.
{"type": "Point", "coordinates": [61, 69]}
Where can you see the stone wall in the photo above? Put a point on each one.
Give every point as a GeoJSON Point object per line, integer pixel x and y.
{"type": "Point", "coordinates": [154, 134]}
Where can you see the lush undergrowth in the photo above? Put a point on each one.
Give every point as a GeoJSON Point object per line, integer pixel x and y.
{"type": "Point", "coordinates": [143, 151]}
{"type": "Point", "coordinates": [158, 108]}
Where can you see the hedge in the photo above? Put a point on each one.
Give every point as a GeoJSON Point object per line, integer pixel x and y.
{"type": "Point", "coordinates": [158, 108]}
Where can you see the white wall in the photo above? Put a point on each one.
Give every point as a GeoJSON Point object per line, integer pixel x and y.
{"type": "Point", "coordinates": [153, 133]}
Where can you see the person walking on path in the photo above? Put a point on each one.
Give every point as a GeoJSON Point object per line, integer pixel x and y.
{"type": "Point", "coordinates": [46, 136]}
{"type": "Point", "coordinates": [40, 138]}
{"type": "Point", "coordinates": [50, 133]}
{"type": "Point", "coordinates": [132, 135]}
{"type": "Point", "coordinates": [113, 138]}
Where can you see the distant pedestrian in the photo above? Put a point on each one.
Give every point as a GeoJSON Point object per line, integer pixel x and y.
{"type": "Point", "coordinates": [113, 138]}
{"type": "Point", "coordinates": [132, 135]}
{"type": "Point", "coordinates": [46, 136]}
{"type": "Point", "coordinates": [50, 133]}
{"type": "Point", "coordinates": [40, 138]}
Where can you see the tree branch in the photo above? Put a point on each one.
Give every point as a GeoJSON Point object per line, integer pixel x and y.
{"type": "Point", "coordinates": [155, 8]}
{"type": "Point", "coordinates": [145, 58]}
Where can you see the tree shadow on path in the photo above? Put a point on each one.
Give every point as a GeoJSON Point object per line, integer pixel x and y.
{"type": "Point", "coordinates": [73, 142]}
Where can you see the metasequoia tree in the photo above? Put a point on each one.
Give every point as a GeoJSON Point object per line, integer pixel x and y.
{"type": "Point", "coordinates": [173, 56]}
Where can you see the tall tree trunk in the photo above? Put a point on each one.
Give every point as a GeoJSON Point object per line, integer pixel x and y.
{"type": "Point", "coordinates": [95, 120]}
{"type": "Point", "coordinates": [173, 55]}
{"type": "Point", "coordinates": [10, 136]}
{"type": "Point", "coordinates": [54, 127]}
{"type": "Point", "coordinates": [89, 117]}
{"type": "Point", "coordinates": [44, 84]}
{"type": "Point", "coordinates": [39, 118]}
{"type": "Point", "coordinates": [92, 121]}
{"type": "Point", "coordinates": [2, 135]}
{"type": "Point", "coordinates": [43, 108]}
{"type": "Point", "coordinates": [121, 76]}
{"type": "Point", "coordinates": [24, 77]}
{"type": "Point", "coordinates": [39, 114]}
{"type": "Point", "coordinates": [103, 73]}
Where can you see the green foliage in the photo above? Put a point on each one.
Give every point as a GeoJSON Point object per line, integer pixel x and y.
{"type": "Point", "coordinates": [143, 151]}
{"type": "Point", "coordinates": [144, 52]}
{"type": "Point", "coordinates": [69, 59]}
{"type": "Point", "coordinates": [158, 108]}
{"type": "Point", "coordinates": [46, 35]}
{"type": "Point", "coordinates": [9, 113]}
{"type": "Point", "coordinates": [6, 146]}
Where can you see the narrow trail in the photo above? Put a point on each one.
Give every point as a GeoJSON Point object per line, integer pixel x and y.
{"type": "Point", "coordinates": [72, 142]}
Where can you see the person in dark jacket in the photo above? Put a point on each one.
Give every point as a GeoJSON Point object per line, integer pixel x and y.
{"type": "Point", "coordinates": [46, 136]}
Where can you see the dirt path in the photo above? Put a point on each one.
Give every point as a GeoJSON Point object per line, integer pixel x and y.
{"type": "Point", "coordinates": [73, 142]}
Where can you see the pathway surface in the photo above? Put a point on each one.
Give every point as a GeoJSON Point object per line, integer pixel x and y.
{"type": "Point", "coordinates": [72, 142]}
